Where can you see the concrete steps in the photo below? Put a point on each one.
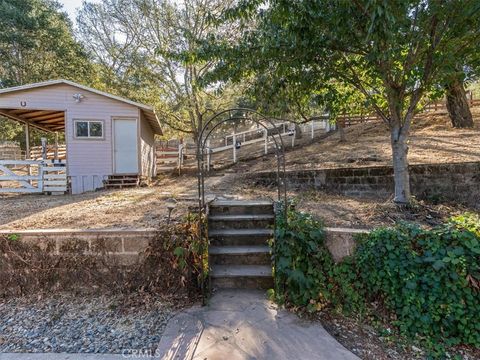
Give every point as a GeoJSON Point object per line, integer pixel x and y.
{"type": "Point", "coordinates": [238, 232]}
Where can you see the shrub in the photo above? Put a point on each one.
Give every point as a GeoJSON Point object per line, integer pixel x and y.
{"type": "Point", "coordinates": [301, 260]}
{"type": "Point", "coordinates": [170, 263]}
{"type": "Point", "coordinates": [429, 280]}
{"type": "Point", "coordinates": [305, 273]}
{"type": "Point", "coordinates": [467, 221]}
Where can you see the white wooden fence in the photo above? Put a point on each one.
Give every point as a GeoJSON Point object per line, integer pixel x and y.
{"type": "Point", "coordinates": [169, 158]}
{"type": "Point", "coordinates": [286, 130]}
{"type": "Point", "coordinates": [32, 176]}
{"type": "Point", "coordinates": [173, 157]}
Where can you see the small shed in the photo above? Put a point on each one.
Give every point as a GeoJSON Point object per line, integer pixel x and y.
{"type": "Point", "coordinates": [106, 136]}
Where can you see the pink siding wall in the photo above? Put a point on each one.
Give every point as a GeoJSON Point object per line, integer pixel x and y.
{"type": "Point", "coordinates": [147, 149]}
{"type": "Point", "coordinates": [88, 161]}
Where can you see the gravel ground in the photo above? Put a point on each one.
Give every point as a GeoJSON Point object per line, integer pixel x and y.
{"type": "Point", "coordinates": [65, 323]}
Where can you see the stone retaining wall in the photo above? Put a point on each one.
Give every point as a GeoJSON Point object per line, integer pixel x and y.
{"type": "Point", "coordinates": [453, 181]}
{"type": "Point", "coordinates": [124, 245]}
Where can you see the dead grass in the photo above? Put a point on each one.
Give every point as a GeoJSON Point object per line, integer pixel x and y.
{"type": "Point", "coordinates": [433, 140]}
{"type": "Point", "coordinates": [129, 208]}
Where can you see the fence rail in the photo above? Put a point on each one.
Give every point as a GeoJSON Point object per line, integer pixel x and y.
{"type": "Point", "coordinates": [32, 176]}
{"type": "Point", "coordinates": [51, 153]}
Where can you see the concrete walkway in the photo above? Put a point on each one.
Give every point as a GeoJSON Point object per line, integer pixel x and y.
{"type": "Point", "coordinates": [239, 324]}
{"type": "Point", "coordinates": [236, 325]}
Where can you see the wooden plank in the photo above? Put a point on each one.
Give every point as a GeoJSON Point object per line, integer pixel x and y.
{"type": "Point", "coordinates": [54, 176]}
{"type": "Point", "coordinates": [50, 121]}
{"type": "Point", "coordinates": [21, 162]}
{"type": "Point", "coordinates": [18, 177]}
{"type": "Point", "coordinates": [33, 114]}
{"type": "Point", "coordinates": [54, 168]}
{"type": "Point", "coordinates": [47, 183]}
{"type": "Point", "coordinates": [54, 188]}
{"type": "Point", "coordinates": [47, 117]}
{"type": "Point", "coordinates": [20, 190]}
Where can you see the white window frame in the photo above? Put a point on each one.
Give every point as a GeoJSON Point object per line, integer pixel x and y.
{"type": "Point", "coordinates": [88, 137]}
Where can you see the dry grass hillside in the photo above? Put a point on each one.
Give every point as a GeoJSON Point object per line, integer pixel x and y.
{"type": "Point", "coordinates": [433, 140]}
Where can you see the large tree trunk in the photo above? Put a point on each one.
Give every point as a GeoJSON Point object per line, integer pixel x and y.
{"type": "Point", "coordinates": [457, 104]}
{"type": "Point", "coordinates": [400, 166]}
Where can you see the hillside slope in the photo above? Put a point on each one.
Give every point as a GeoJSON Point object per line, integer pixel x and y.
{"type": "Point", "coordinates": [432, 140]}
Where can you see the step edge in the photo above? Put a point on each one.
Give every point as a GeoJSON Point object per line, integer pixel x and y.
{"type": "Point", "coordinates": [241, 217]}
{"type": "Point", "coordinates": [218, 250]}
{"type": "Point", "coordinates": [236, 232]}
{"type": "Point", "coordinates": [236, 203]}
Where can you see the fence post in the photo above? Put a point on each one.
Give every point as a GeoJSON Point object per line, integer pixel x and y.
{"type": "Point", "coordinates": [56, 146]}
{"type": "Point", "coordinates": [265, 136]}
{"type": "Point", "coordinates": [313, 129]}
{"type": "Point", "coordinates": [40, 176]}
{"type": "Point", "coordinates": [27, 149]}
{"type": "Point", "coordinates": [180, 158]}
{"type": "Point", "coordinates": [234, 145]}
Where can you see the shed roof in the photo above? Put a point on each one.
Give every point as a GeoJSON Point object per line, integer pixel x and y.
{"type": "Point", "coordinates": [55, 120]}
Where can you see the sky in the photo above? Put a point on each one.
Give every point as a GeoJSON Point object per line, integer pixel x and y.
{"type": "Point", "coordinates": [70, 6]}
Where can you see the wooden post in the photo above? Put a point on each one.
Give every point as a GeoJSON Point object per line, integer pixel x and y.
{"type": "Point", "coordinates": [313, 128]}
{"type": "Point", "coordinates": [180, 158]}
{"type": "Point", "coordinates": [56, 146]}
{"type": "Point", "coordinates": [234, 147]}
{"type": "Point", "coordinates": [27, 148]}
{"type": "Point", "coordinates": [265, 135]}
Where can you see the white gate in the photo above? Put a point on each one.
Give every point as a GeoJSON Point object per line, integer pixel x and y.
{"type": "Point", "coordinates": [31, 176]}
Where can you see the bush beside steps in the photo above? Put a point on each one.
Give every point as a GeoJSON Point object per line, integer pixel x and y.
{"type": "Point", "coordinates": [425, 281]}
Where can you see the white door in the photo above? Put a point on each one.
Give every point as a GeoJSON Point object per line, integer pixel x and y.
{"type": "Point", "coordinates": [125, 146]}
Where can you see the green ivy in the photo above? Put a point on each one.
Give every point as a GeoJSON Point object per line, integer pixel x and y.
{"type": "Point", "coordinates": [300, 260]}
{"type": "Point", "coordinates": [428, 279]}
{"type": "Point", "coordinates": [305, 273]}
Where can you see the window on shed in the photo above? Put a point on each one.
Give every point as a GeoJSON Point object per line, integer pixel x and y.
{"type": "Point", "coordinates": [89, 129]}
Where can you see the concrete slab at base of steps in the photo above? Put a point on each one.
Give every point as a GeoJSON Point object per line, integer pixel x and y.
{"type": "Point", "coordinates": [243, 324]}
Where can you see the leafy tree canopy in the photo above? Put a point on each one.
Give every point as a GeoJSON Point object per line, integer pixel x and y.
{"type": "Point", "coordinates": [392, 52]}
{"type": "Point", "coordinates": [37, 44]}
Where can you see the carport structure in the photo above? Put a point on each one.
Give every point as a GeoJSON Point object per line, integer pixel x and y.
{"type": "Point", "coordinates": [52, 121]}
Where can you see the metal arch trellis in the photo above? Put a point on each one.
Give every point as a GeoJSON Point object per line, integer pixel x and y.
{"type": "Point", "coordinates": [218, 119]}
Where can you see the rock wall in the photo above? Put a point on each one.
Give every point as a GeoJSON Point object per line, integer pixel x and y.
{"type": "Point", "coordinates": [124, 245]}
{"type": "Point", "coordinates": [454, 181]}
